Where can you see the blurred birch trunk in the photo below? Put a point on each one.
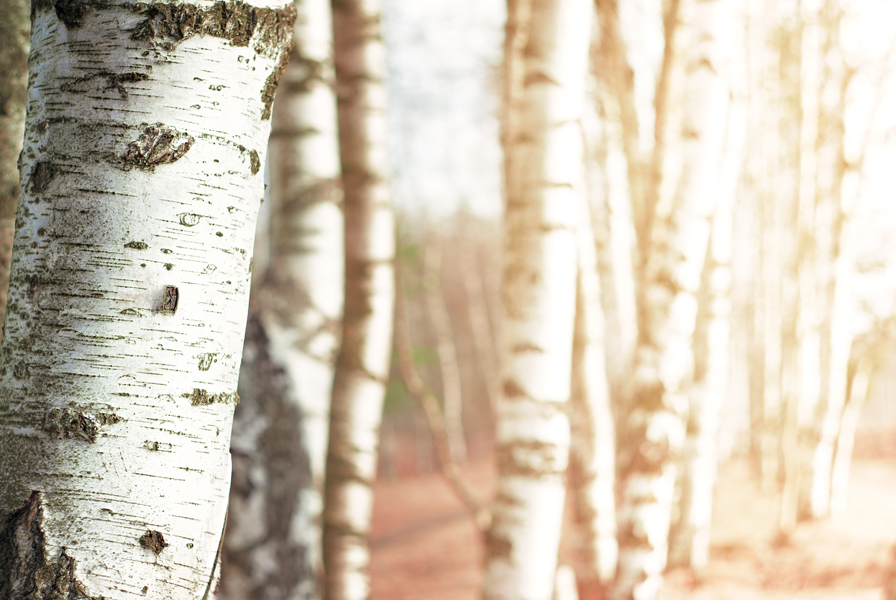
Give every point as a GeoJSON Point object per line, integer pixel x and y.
{"type": "Point", "coordinates": [362, 367]}
{"type": "Point", "coordinates": [593, 449]}
{"type": "Point", "coordinates": [546, 53]}
{"type": "Point", "coordinates": [126, 317]}
{"type": "Point", "coordinates": [272, 548]}
{"type": "Point", "coordinates": [15, 31]}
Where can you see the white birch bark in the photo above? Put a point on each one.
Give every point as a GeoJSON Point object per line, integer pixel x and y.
{"type": "Point", "coordinates": [858, 394]}
{"type": "Point", "coordinates": [544, 184]}
{"type": "Point", "coordinates": [15, 24]}
{"type": "Point", "coordinates": [140, 183]}
{"type": "Point", "coordinates": [452, 395]}
{"type": "Point", "coordinates": [654, 430]}
{"type": "Point", "coordinates": [363, 364]}
{"type": "Point", "coordinates": [593, 449]}
{"type": "Point", "coordinates": [272, 547]}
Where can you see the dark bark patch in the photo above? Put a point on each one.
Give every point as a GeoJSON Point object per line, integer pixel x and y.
{"type": "Point", "coordinates": [158, 144]}
{"type": "Point", "coordinates": [528, 458]}
{"type": "Point", "coordinates": [108, 418]}
{"type": "Point", "coordinates": [70, 12]}
{"type": "Point", "coordinates": [170, 300]}
{"type": "Point", "coordinates": [43, 173]}
{"type": "Point", "coordinates": [512, 389]}
{"type": "Point", "coordinates": [206, 360]}
{"type": "Point", "coordinates": [189, 219]}
{"type": "Point", "coordinates": [254, 162]}
{"type": "Point", "coordinates": [201, 397]}
{"type": "Point", "coordinates": [497, 545]}
{"type": "Point", "coordinates": [67, 423]}
{"type": "Point", "coordinates": [526, 348]}
{"type": "Point", "coordinates": [270, 86]}
{"type": "Point", "coordinates": [114, 81]}
{"type": "Point", "coordinates": [153, 540]}
{"type": "Point", "coordinates": [25, 572]}
{"type": "Point", "coordinates": [235, 22]}
{"type": "Point", "coordinates": [137, 245]}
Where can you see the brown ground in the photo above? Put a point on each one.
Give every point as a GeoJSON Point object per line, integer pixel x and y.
{"type": "Point", "coordinates": [425, 546]}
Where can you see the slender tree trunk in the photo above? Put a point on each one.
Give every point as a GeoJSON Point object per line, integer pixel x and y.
{"type": "Point", "coordinates": [362, 368]}
{"type": "Point", "coordinates": [15, 27]}
{"type": "Point", "coordinates": [654, 431]}
{"type": "Point", "coordinates": [593, 449]}
{"type": "Point", "coordinates": [544, 184]}
{"type": "Point", "coordinates": [889, 591]}
{"type": "Point", "coordinates": [272, 549]}
{"type": "Point", "coordinates": [859, 385]}
{"type": "Point", "coordinates": [449, 368]}
{"type": "Point", "coordinates": [833, 262]}
{"type": "Point", "coordinates": [689, 544]}
{"type": "Point", "coordinates": [141, 176]}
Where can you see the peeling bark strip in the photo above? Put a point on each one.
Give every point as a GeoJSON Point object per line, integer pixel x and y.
{"type": "Point", "coordinates": [130, 160]}
{"type": "Point", "coordinates": [25, 572]}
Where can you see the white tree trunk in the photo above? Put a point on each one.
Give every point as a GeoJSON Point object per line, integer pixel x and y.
{"type": "Point", "coordinates": [858, 394]}
{"type": "Point", "coordinates": [272, 547]}
{"type": "Point", "coordinates": [363, 364]}
{"type": "Point", "coordinates": [544, 185]}
{"type": "Point", "coordinates": [593, 449]}
{"type": "Point", "coordinates": [14, 31]}
{"type": "Point", "coordinates": [449, 368]}
{"type": "Point", "coordinates": [141, 179]}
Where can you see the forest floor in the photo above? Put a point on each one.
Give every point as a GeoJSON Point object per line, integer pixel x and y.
{"type": "Point", "coordinates": [426, 546]}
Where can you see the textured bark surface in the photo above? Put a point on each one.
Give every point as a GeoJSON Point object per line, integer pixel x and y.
{"type": "Point", "coordinates": [593, 446]}
{"type": "Point", "coordinates": [272, 546]}
{"type": "Point", "coordinates": [129, 289]}
{"type": "Point", "coordinates": [15, 31]}
{"type": "Point", "coordinates": [547, 55]}
{"type": "Point", "coordinates": [363, 364]}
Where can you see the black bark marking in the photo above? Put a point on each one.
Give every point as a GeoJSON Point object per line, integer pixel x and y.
{"type": "Point", "coordinates": [530, 458]}
{"type": "Point", "coordinates": [158, 144]}
{"type": "Point", "coordinates": [169, 302]}
{"type": "Point", "coordinates": [206, 360]}
{"type": "Point", "coordinates": [512, 389]}
{"type": "Point", "coordinates": [153, 540]}
{"type": "Point", "coordinates": [25, 572]}
{"type": "Point", "coordinates": [43, 173]}
{"type": "Point", "coordinates": [201, 397]}
{"type": "Point", "coordinates": [137, 245]}
{"type": "Point", "coordinates": [270, 86]}
{"type": "Point", "coordinates": [498, 546]}
{"type": "Point", "coordinates": [65, 422]}
{"type": "Point", "coordinates": [114, 81]}
{"type": "Point", "coordinates": [254, 162]}
{"type": "Point", "coordinates": [189, 219]}
{"type": "Point", "coordinates": [70, 12]}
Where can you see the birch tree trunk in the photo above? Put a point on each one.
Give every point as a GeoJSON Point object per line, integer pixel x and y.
{"type": "Point", "coordinates": [689, 546]}
{"type": "Point", "coordinates": [140, 183]}
{"type": "Point", "coordinates": [593, 449]}
{"type": "Point", "coordinates": [362, 367]}
{"type": "Point", "coordinates": [654, 429]}
{"type": "Point", "coordinates": [15, 26]}
{"type": "Point", "coordinates": [272, 548]}
{"type": "Point", "coordinates": [449, 368]}
{"type": "Point", "coordinates": [547, 53]}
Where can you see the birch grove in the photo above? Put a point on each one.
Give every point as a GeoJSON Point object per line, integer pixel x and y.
{"type": "Point", "coordinates": [272, 546]}
{"type": "Point", "coordinates": [363, 363]}
{"type": "Point", "coordinates": [128, 295]}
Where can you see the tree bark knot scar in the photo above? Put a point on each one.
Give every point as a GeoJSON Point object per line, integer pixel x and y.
{"type": "Point", "coordinates": [25, 572]}
{"type": "Point", "coordinates": [65, 422]}
{"type": "Point", "coordinates": [158, 144]}
{"type": "Point", "coordinates": [169, 302]}
{"type": "Point", "coordinates": [153, 540]}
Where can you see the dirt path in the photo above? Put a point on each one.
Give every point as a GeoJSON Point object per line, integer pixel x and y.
{"type": "Point", "coordinates": [425, 546]}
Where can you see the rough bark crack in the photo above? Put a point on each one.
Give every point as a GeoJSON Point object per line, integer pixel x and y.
{"type": "Point", "coordinates": [25, 572]}
{"type": "Point", "coordinates": [153, 540]}
{"type": "Point", "coordinates": [158, 144]}
{"type": "Point", "coordinates": [68, 423]}
{"type": "Point", "coordinates": [201, 397]}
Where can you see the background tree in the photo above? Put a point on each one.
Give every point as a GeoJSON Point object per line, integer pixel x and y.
{"type": "Point", "coordinates": [272, 547]}
{"type": "Point", "coordinates": [140, 181]}
{"type": "Point", "coordinates": [362, 367]}
{"type": "Point", "coordinates": [546, 54]}
{"type": "Point", "coordinates": [15, 27]}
